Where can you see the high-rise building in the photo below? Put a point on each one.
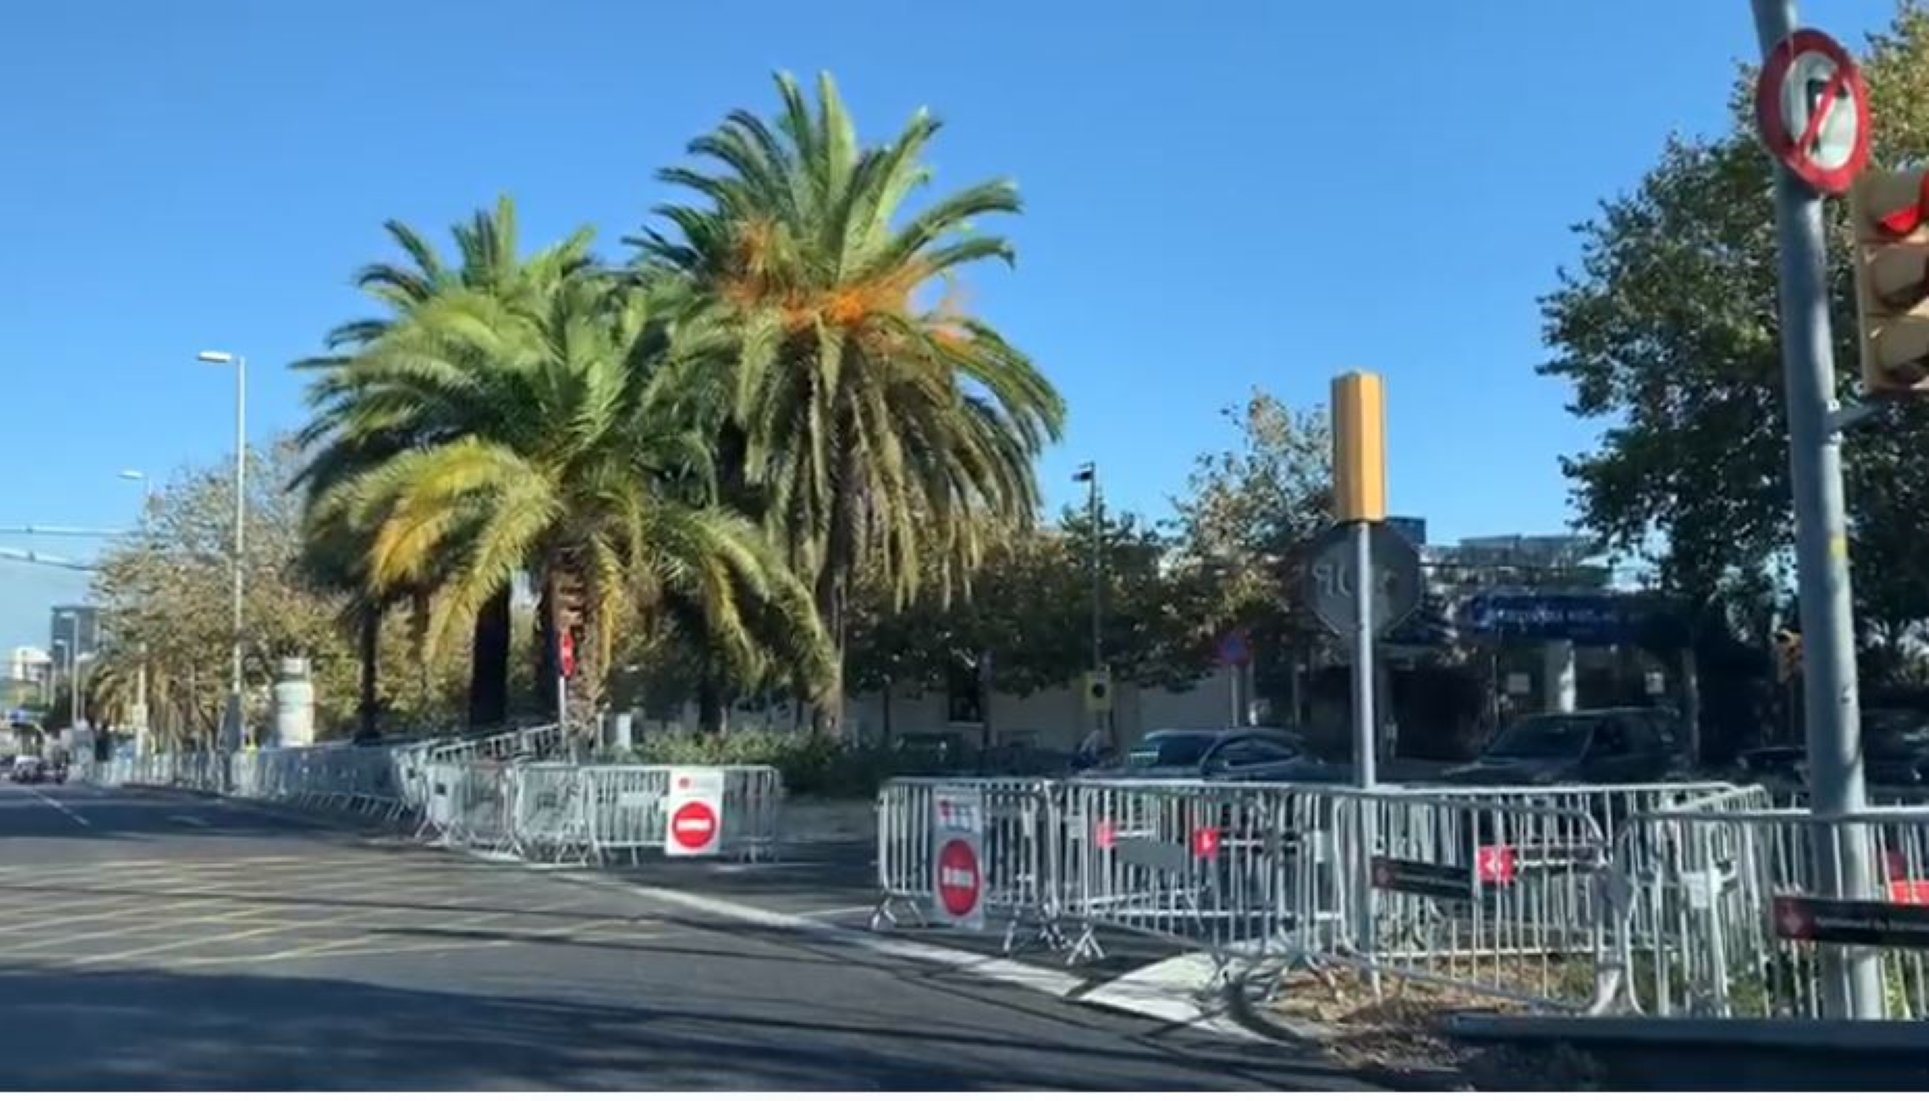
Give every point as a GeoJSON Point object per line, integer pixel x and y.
{"type": "Point", "coordinates": [73, 622]}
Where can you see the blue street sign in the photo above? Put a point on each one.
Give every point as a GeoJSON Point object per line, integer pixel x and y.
{"type": "Point", "coordinates": [1235, 648]}
{"type": "Point", "coordinates": [1588, 619]}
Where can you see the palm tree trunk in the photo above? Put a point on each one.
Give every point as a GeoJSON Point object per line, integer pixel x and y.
{"type": "Point", "coordinates": [489, 663]}
{"type": "Point", "coordinates": [710, 709]}
{"type": "Point", "coordinates": [370, 642]}
{"type": "Point", "coordinates": [419, 618]}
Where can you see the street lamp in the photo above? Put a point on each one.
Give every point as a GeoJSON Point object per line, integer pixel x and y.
{"type": "Point", "coordinates": [1088, 474]}
{"type": "Point", "coordinates": [75, 707]}
{"type": "Point", "coordinates": [240, 522]}
{"type": "Point", "coordinates": [140, 670]}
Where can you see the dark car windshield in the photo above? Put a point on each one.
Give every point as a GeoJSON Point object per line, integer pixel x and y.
{"type": "Point", "coordinates": [1895, 733]}
{"type": "Point", "coordinates": [1171, 748]}
{"type": "Point", "coordinates": [1544, 736]}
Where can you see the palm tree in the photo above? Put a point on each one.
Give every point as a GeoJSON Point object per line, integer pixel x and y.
{"type": "Point", "coordinates": [489, 259]}
{"type": "Point", "coordinates": [859, 411]}
{"type": "Point", "coordinates": [549, 444]}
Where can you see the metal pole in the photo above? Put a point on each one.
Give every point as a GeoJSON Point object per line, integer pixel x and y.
{"type": "Point", "coordinates": [73, 673]}
{"type": "Point", "coordinates": [1852, 981]}
{"type": "Point", "coordinates": [240, 537]}
{"type": "Point", "coordinates": [1095, 508]}
{"type": "Point", "coordinates": [1364, 772]}
{"type": "Point", "coordinates": [1364, 748]}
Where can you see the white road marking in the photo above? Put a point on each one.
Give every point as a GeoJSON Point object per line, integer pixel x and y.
{"type": "Point", "coordinates": [1056, 984]}
{"type": "Point", "coordinates": [188, 820]}
{"type": "Point", "coordinates": [61, 807]}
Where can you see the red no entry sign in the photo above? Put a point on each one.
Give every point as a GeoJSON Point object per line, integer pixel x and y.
{"type": "Point", "coordinates": [695, 826]}
{"type": "Point", "coordinates": [695, 808]}
{"type": "Point", "coordinates": [1812, 110]}
{"type": "Point", "coordinates": [960, 883]}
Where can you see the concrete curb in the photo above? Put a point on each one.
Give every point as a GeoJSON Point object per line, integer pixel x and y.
{"type": "Point", "coordinates": [1843, 1037]}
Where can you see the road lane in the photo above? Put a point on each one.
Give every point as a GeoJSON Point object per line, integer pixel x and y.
{"type": "Point", "coordinates": [147, 950]}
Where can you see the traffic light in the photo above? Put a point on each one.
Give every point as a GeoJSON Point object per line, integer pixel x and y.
{"type": "Point", "coordinates": [1788, 654]}
{"type": "Point", "coordinates": [1098, 692]}
{"type": "Point", "coordinates": [1890, 215]}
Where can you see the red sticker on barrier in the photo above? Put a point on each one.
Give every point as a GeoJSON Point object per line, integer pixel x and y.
{"type": "Point", "coordinates": [1105, 834]}
{"type": "Point", "coordinates": [1910, 892]}
{"type": "Point", "coordinates": [1205, 842]}
{"type": "Point", "coordinates": [1494, 864]}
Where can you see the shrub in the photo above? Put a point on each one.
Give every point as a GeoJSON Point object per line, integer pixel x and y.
{"type": "Point", "coordinates": [818, 765]}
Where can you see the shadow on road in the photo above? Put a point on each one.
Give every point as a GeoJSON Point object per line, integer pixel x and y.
{"type": "Point", "coordinates": [128, 1030]}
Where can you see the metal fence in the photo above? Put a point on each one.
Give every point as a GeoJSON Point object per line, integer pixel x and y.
{"type": "Point", "coordinates": [1740, 908]}
{"type": "Point", "coordinates": [1660, 897]}
{"type": "Point", "coordinates": [510, 793]}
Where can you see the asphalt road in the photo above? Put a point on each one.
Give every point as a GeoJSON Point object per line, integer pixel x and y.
{"type": "Point", "coordinates": [152, 940]}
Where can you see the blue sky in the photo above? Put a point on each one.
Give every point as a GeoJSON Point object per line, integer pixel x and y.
{"type": "Point", "coordinates": [1219, 196]}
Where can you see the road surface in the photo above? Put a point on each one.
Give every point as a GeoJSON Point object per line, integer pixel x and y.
{"type": "Point", "coordinates": [156, 940]}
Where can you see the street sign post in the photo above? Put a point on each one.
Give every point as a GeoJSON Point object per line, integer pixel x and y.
{"type": "Point", "coordinates": [1330, 591]}
{"type": "Point", "coordinates": [1235, 653]}
{"type": "Point", "coordinates": [957, 861]}
{"type": "Point", "coordinates": [1812, 110]}
{"type": "Point", "coordinates": [695, 806]}
{"type": "Point", "coordinates": [1851, 978]}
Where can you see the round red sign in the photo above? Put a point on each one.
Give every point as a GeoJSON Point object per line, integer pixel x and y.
{"type": "Point", "coordinates": [1812, 110]}
{"type": "Point", "coordinates": [694, 825]}
{"type": "Point", "coordinates": [958, 878]}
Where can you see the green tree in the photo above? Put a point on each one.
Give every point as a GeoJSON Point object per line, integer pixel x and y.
{"type": "Point", "coordinates": [1242, 526]}
{"type": "Point", "coordinates": [558, 449]}
{"type": "Point", "coordinates": [164, 591]}
{"type": "Point", "coordinates": [1667, 333]}
{"type": "Point", "coordinates": [351, 440]}
{"type": "Point", "coordinates": [859, 412]}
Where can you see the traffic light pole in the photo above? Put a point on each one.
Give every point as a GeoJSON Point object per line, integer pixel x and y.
{"type": "Point", "coordinates": [1852, 981]}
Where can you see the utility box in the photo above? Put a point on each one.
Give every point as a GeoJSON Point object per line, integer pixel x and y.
{"type": "Point", "coordinates": [294, 704]}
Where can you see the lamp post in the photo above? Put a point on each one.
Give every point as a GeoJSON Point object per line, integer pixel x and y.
{"type": "Point", "coordinates": [1095, 511]}
{"type": "Point", "coordinates": [75, 708]}
{"type": "Point", "coordinates": [140, 669]}
{"type": "Point", "coordinates": [240, 526]}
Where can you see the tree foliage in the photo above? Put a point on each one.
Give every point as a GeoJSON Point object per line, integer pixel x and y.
{"type": "Point", "coordinates": [165, 595]}
{"type": "Point", "coordinates": [1667, 332]}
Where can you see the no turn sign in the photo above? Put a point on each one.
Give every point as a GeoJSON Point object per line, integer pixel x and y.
{"type": "Point", "coordinates": [957, 860]}
{"type": "Point", "coordinates": [695, 810]}
{"type": "Point", "coordinates": [1812, 110]}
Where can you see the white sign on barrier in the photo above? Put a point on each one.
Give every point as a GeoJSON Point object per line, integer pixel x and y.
{"type": "Point", "coordinates": [695, 806]}
{"type": "Point", "coordinates": [957, 855]}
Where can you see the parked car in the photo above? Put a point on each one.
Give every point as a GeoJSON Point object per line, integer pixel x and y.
{"type": "Point", "coordinates": [1241, 754]}
{"type": "Point", "coordinates": [28, 770]}
{"type": "Point", "coordinates": [1895, 753]}
{"type": "Point", "coordinates": [1620, 745]}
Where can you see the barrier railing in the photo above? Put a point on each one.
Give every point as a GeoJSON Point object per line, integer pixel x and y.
{"type": "Point", "coordinates": [494, 794]}
{"type": "Point", "coordinates": [1741, 909]}
{"type": "Point", "coordinates": [1017, 860]}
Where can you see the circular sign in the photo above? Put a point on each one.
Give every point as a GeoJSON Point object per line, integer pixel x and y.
{"type": "Point", "coordinates": [1812, 110]}
{"type": "Point", "coordinates": [1235, 647]}
{"type": "Point", "coordinates": [1397, 578]}
{"type": "Point", "coordinates": [958, 879]}
{"type": "Point", "coordinates": [694, 825]}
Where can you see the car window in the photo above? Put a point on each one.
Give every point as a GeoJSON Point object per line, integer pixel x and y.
{"type": "Point", "coordinates": [1610, 739]}
{"type": "Point", "coordinates": [1242, 752]}
{"type": "Point", "coordinates": [1168, 748]}
{"type": "Point", "coordinates": [1645, 733]}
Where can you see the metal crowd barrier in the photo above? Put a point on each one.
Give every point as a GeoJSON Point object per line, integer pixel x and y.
{"type": "Point", "coordinates": [494, 794]}
{"type": "Point", "coordinates": [1019, 854]}
{"type": "Point", "coordinates": [626, 810]}
{"type": "Point", "coordinates": [1738, 911]}
{"type": "Point", "coordinates": [1506, 892]}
